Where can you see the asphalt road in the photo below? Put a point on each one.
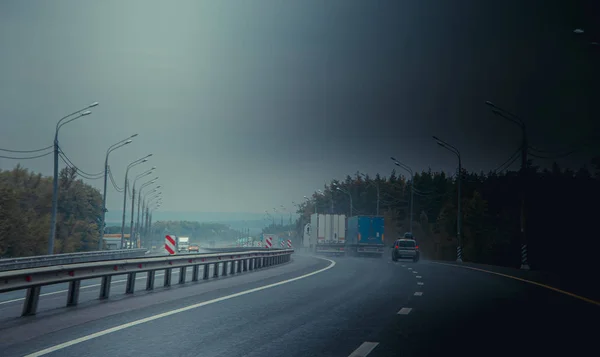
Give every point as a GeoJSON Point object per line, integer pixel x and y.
{"type": "Point", "coordinates": [316, 307]}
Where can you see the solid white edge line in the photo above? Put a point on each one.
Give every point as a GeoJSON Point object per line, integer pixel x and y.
{"type": "Point", "coordinates": [364, 349]}
{"type": "Point", "coordinates": [83, 287]}
{"type": "Point", "coordinates": [172, 312]}
{"type": "Point", "coordinates": [405, 311]}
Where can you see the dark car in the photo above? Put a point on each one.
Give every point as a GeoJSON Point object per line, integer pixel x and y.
{"type": "Point", "coordinates": [405, 249]}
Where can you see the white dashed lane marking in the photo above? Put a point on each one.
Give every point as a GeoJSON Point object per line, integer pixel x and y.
{"type": "Point", "coordinates": [419, 277]}
{"type": "Point", "coordinates": [405, 311]}
{"type": "Point", "coordinates": [364, 349]}
{"type": "Point", "coordinates": [420, 283]}
{"type": "Point", "coordinates": [418, 293]}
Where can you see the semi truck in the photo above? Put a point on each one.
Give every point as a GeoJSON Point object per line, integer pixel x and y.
{"type": "Point", "coordinates": [365, 235]}
{"type": "Point", "coordinates": [328, 233]}
{"type": "Point", "coordinates": [183, 243]}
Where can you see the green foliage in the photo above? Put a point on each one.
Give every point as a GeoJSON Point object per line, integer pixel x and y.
{"type": "Point", "coordinates": [25, 210]}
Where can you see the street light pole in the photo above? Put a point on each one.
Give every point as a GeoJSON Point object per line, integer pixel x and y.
{"type": "Point", "coordinates": [349, 195]}
{"type": "Point", "coordinates": [145, 173]}
{"type": "Point", "coordinates": [137, 224]}
{"type": "Point", "coordinates": [136, 162]}
{"type": "Point", "coordinates": [110, 149]}
{"type": "Point", "coordinates": [412, 189]}
{"type": "Point", "coordinates": [454, 150]}
{"type": "Point", "coordinates": [59, 124]}
{"type": "Point", "coordinates": [524, 149]}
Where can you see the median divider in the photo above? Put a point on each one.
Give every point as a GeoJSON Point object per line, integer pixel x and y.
{"type": "Point", "coordinates": [230, 262]}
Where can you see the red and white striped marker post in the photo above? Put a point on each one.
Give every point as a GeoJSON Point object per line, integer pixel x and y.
{"type": "Point", "coordinates": [282, 243]}
{"type": "Point", "coordinates": [170, 244]}
{"type": "Point", "coordinates": [269, 242]}
{"type": "Point", "coordinates": [289, 243]}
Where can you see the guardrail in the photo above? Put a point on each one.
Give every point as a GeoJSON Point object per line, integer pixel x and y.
{"type": "Point", "coordinates": [33, 279]}
{"type": "Point", "coordinates": [69, 258]}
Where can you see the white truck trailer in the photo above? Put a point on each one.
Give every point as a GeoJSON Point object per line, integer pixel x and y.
{"type": "Point", "coordinates": [328, 233]}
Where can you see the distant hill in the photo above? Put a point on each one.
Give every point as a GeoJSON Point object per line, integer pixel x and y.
{"type": "Point", "coordinates": [237, 220]}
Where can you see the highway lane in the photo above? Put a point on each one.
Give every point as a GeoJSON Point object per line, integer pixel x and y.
{"type": "Point", "coordinates": [369, 305]}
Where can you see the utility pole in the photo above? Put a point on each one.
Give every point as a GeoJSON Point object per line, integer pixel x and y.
{"type": "Point", "coordinates": [523, 173]}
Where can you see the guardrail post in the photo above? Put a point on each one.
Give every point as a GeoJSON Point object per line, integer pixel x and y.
{"type": "Point", "coordinates": [216, 272]}
{"type": "Point", "coordinates": [245, 263]}
{"type": "Point", "coordinates": [239, 266]}
{"type": "Point", "coordinates": [224, 269]}
{"type": "Point", "coordinates": [232, 268]}
{"type": "Point", "coordinates": [31, 301]}
{"type": "Point", "coordinates": [250, 261]}
{"type": "Point", "coordinates": [130, 287]}
{"type": "Point", "coordinates": [168, 277]}
{"type": "Point", "coordinates": [105, 287]}
{"type": "Point", "coordinates": [195, 271]}
{"type": "Point", "coordinates": [73, 294]}
{"type": "Point", "coordinates": [150, 280]}
{"type": "Point", "coordinates": [182, 272]}
{"type": "Point", "coordinates": [205, 271]}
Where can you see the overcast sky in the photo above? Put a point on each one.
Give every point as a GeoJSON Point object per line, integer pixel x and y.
{"type": "Point", "coordinates": [248, 105]}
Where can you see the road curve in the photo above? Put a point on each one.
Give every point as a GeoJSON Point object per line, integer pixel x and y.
{"type": "Point", "coordinates": [313, 307]}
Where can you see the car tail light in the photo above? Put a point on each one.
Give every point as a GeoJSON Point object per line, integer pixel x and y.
{"type": "Point", "coordinates": [396, 247]}
{"type": "Point", "coordinates": [417, 247]}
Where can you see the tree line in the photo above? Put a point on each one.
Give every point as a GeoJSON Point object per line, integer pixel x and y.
{"type": "Point", "coordinates": [560, 207]}
{"type": "Point", "coordinates": [25, 211]}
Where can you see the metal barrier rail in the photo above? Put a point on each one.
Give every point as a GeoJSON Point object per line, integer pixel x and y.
{"type": "Point", "coordinates": [69, 258]}
{"type": "Point", "coordinates": [33, 279]}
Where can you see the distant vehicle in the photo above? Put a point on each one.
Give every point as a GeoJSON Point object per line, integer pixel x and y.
{"type": "Point", "coordinates": [365, 235]}
{"type": "Point", "coordinates": [328, 233]}
{"type": "Point", "coordinates": [405, 249]}
{"type": "Point", "coordinates": [183, 244]}
{"type": "Point", "coordinates": [194, 248]}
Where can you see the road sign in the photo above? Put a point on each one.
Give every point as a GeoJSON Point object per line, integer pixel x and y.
{"type": "Point", "coordinates": [170, 244]}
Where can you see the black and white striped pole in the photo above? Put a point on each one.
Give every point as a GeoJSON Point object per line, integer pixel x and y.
{"type": "Point", "coordinates": [523, 173]}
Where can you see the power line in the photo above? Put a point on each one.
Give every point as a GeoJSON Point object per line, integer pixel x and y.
{"type": "Point", "coordinates": [506, 164]}
{"type": "Point", "coordinates": [27, 151]}
{"type": "Point", "coordinates": [77, 171]}
{"type": "Point", "coordinates": [75, 166]}
{"type": "Point", "coordinates": [26, 158]}
{"type": "Point", "coordinates": [112, 180]}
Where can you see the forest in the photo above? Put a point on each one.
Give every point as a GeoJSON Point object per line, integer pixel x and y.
{"type": "Point", "coordinates": [560, 206]}
{"type": "Point", "coordinates": [25, 207]}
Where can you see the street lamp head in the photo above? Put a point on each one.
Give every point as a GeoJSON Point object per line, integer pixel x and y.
{"type": "Point", "coordinates": [144, 160]}
{"type": "Point", "coordinates": [133, 136]}
{"type": "Point", "coordinates": [87, 112]}
{"type": "Point", "coordinates": [157, 187]}
{"type": "Point", "coordinates": [128, 142]}
{"type": "Point", "coordinates": [153, 168]}
{"type": "Point", "coordinates": [95, 104]}
{"type": "Point", "coordinates": [435, 138]}
{"type": "Point", "coordinates": [441, 144]}
{"type": "Point", "coordinates": [396, 163]}
{"type": "Point", "coordinates": [393, 158]}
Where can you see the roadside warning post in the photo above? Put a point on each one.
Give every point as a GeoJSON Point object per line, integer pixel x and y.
{"type": "Point", "coordinates": [170, 244]}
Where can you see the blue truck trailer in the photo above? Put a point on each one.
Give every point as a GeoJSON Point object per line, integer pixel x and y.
{"type": "Point", "coordinates": [365, 235]}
